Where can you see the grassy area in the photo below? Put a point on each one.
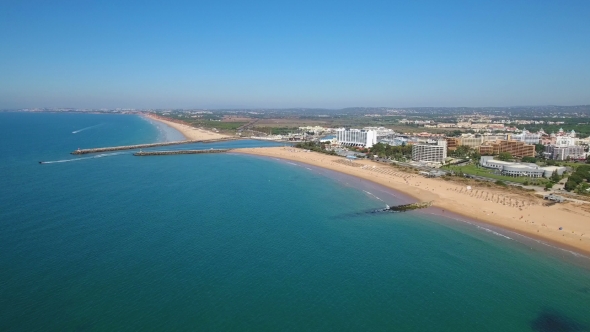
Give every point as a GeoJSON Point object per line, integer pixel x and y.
{"type": "Point", "coordinates": [488, 173]}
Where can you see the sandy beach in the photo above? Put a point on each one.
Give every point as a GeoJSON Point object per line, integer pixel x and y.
{"type": "Point", "coordinates": [190, 133]}
{"type": "Point", "coordinates": [523, 214]}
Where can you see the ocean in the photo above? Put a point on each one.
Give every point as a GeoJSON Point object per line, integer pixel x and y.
{"type": "Point", "coordinates": [231, 242]}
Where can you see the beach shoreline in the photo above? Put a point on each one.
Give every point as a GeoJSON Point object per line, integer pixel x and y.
{"type": "Point", "coordinates": [189, 133]}
{"type": "Point", "coordinates": [524, 215]}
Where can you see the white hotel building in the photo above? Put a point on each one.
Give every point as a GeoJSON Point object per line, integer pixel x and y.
{"type": "Point", "coordinates": [356, 137]}
{"type": "Point", "coordinates": [565, 147]}
{"type": "Point", "coordinates": [430, 152]}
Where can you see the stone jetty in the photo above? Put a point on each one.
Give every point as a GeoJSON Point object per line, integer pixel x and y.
{"type": "Point", "coordinates": [409, 207]}
{"type": "Point", "coordinates": [150, 145]}
{"type": "Point", "coordinates": [405, 207]}
{"type": "Point", "coordinates": [167, 153]}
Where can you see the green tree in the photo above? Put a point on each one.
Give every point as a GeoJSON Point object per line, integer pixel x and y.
{"type": "Point", "coordinates": [539, 148]}
{"type": "Point", "coordinates": [462, 151]}
{"type": "Point", "coordinates": [529, 159]}
{"type": "Point", "coordinates": [504, 156]}
{"type": "Point", "coordinates": [455, 133]}
{"type": "Point", "coordinates": [555, 177]}
{"type": "Point", "coordinates": [570, 185]}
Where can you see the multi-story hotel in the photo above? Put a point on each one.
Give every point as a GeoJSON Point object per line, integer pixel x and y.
{"type": "Point", "coordinates": [565, 147]}
{"type": "Point", "coordinates": [356, 137]}
{"type": "Point", "coordinates": [515, 148]}
{"type": "Point", "coordinates": [430, 152]}
{"type": "Point", "coordinates": [527, 137]}
{"type": "Point", "coordinates": [472, 141]}
{"type": "Point", "coordinates": [453, 143]}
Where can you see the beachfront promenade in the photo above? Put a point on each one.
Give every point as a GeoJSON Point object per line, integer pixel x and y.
{"type": "Point", "coordinates": [151, 145]}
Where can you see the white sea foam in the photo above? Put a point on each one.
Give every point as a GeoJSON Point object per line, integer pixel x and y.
{"type": "Point", "coordinates": [523, 236]}
{"type": "Point", "coordinates": [80, 130]}
{"type": "Point", "coordinates": [83, 158]}
{"type": "Point", "coordinates": [478, 226]}
{"type": "Point", "coordinates": [371, 194]}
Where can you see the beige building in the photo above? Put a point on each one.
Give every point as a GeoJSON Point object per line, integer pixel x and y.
{"type": "Point", "coordinates": [515, 148]}
{"type": "Point", "coordinates": [472, 141]}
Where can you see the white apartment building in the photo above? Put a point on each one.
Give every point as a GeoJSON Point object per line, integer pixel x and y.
{"type": "Point", "coordinates": [356, 137]}
{"type": "Point", "coordinates": [565, 147]}
{"type": "Point", "coordinates": [430, 152]}
{"type": "Point", "coordinates": [527, 137]}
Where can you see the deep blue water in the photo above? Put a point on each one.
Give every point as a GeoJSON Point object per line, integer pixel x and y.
{"type": "Point", "coordinates": [236, 242]}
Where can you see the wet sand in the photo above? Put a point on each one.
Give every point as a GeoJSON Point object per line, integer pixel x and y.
{"type": "Point", "coordinates": [519, 213]}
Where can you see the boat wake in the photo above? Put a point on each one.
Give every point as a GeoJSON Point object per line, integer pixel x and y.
{"type": "Point", "coordinates": [83, 158]}
{"type": "Point", "coordinates": [80, 130]}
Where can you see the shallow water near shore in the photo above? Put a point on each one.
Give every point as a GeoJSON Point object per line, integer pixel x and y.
{"type": "Point", "coordinates": [236, 242]}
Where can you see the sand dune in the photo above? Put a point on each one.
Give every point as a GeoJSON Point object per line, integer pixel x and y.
{"type": "Point", "coordinates": [190, 133]}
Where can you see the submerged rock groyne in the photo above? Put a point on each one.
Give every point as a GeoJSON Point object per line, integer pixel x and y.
{"type": "Point", "coordinates": [406, 207]}
{"type": "Point", "coordinates": [150, 145]}
{"type": "Point", "coordinates": [167, 153]}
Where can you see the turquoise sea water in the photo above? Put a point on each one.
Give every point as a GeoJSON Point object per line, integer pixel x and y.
{"type": "Point", "coordinates": [236, 242]}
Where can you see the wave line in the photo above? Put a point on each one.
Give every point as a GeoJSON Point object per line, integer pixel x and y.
{"type": "Point", "coordinates": [79, 130]}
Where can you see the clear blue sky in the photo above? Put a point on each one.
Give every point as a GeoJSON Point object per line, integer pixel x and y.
{"type": "Point", "coordinates": [331, 54]}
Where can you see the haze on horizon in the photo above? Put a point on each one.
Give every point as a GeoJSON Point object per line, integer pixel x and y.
{"type": "Point", "coordinates": [272, 54]}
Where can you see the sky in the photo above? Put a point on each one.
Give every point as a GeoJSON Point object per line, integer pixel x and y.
{"type": "Point", "coordinates": [285, 54]}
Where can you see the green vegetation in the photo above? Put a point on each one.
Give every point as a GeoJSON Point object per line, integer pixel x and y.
{"type": "Point", "coordinates": [225, 125]}
{"type": "Point", "coordinates": [529, 160]}
{"type": "Point", "coordinates": [390, 151]}
{"type": "Point", "coordinates": [276, 130]}
{"type": "Point", "coordinates": [583, 129]}
{"type": "Point", "coordinates": [462, 151]}
{"type": "Point", "coordinates": [504, 156]}
{"type": "Point", "coordinates": [206, 121]}
{"type": "Point", "coordinates": [578, 181]}
{"type": "Point", "coordinates": [472, 169]}
{"type": "Point", "coordinates": [314, 146]}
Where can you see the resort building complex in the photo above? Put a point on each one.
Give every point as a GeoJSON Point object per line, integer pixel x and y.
{"type": "Point", "coordinates": [520, 169]}
{"type": "Point", "coordinates": [515, 148]}
{"type": "Point", "coordinates": [527, 137]}
{"type": "Point", "coordinates": [356, 137]}
{"type": "Point", "coordinates": [436, 152]}
{"type": "Point", "coordinates": [564, 147]}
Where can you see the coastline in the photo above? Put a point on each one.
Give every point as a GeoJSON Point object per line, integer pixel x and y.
{"type": "Point", "coordinates": [189, 133]}
{"type": "Point", "coordinates": [521, 214]}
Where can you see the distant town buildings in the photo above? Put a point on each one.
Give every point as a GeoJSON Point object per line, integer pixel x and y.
{"type": "Point", "coordinates": [527, 137]}
{"type": "Point", "coordinates": [314, 129]}
{"type": "Point", "coordinates": [563, 146]}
